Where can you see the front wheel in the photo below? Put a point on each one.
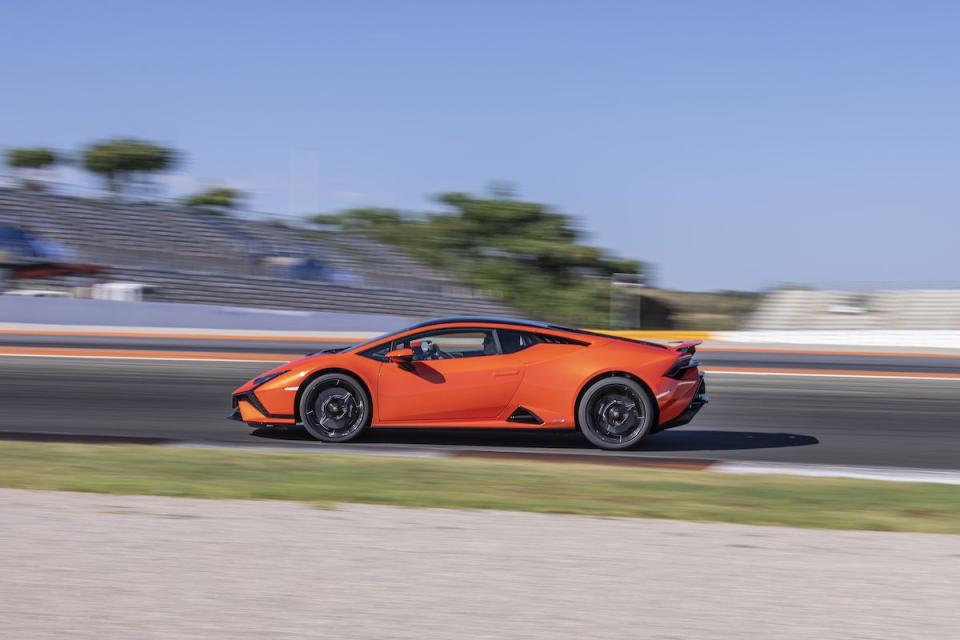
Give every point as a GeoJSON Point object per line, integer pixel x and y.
{"type": "Point", "coordinates": [615, 413]}
{"type": "Point", "coordinates": [334, 408]}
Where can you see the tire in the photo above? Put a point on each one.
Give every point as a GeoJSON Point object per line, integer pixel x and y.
{"type": "Point", "coordinates": [616, 413]}
{"type": "Point", "coordinates": [335, 408]}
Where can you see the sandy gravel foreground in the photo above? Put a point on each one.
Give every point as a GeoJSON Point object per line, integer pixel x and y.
{"type": "Point", "coordinates": [95, 566]}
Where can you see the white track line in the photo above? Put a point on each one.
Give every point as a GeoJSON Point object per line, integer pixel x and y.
{"type": "Point", "coordinates": [879, 375]}
{"type": "Point", "coordinates": [892, 474]}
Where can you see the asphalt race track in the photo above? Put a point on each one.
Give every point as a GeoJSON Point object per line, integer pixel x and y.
{"type": "Point", "coordinates": [287, 349]}
{"type": "Point", "coordinates": [899, 421]}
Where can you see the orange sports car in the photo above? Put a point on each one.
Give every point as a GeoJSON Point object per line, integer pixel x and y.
{"type": "Point", "coordinates": [486, 373]}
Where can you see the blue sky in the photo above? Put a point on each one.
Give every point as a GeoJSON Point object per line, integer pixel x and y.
{"type": "Point", "coordinates": [734, 144]}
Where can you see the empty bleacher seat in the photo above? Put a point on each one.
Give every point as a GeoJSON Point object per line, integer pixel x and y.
{"type": "Point", "coordinates": [190, 256]}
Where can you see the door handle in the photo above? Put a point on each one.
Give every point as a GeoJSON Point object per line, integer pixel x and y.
{"type": "Point", "coordinates": [506, 372]}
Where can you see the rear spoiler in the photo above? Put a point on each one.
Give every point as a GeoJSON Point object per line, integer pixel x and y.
{"type": "Point", "coordinates": [689, 347]}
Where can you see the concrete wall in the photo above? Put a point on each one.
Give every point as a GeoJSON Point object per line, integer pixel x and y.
{"type": "Point", "coordinates": [68, 311]}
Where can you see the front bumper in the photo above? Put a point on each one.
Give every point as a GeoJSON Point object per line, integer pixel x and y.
{"type": "Point", "coordinates": [700, 399]}
{"type": "Point", "coordinates": [248, 409]}
{"type": "Point", "coordinates": [235, 405]}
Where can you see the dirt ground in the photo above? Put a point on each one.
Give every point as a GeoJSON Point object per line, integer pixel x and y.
{"type": "Point", "coordinates": [96, 566]}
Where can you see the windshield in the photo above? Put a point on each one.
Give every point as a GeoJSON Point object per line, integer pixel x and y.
{"type": "Point", "coordinates": [367, 343]}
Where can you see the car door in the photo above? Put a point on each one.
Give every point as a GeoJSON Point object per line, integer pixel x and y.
{"type": "Point", "coordinates": [456, 375]}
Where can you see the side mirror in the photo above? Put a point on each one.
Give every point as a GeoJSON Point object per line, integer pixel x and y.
{"type": "Point", "coordinates": [400, 356]}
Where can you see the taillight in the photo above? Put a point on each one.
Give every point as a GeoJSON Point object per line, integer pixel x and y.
{"type": "Point", "coordinates": [683, 364]}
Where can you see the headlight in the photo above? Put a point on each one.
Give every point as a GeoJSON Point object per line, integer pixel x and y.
{"type": "Point", "coordinates": [267, 378]}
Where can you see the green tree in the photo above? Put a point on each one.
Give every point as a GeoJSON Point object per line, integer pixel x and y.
{"type": "Point", "coordinates": [122, 162]}
{"type": "Point", "coordinates": [30, 161]}
{"type": "Point", "coordinates": [216, 200]}
{"type": "Point", "coordinates": [529, 255]}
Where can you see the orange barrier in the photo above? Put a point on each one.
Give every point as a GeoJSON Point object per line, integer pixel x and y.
{"type": "Point", "coordinates": [658, 335]}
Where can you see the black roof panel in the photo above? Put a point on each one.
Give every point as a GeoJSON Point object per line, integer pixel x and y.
{"type": "Point", "coordinates": [529, 323]}
{"type": "Point", "coordinates": [536, 324]}
{"type": "Point", "coordinates": [486, 319]}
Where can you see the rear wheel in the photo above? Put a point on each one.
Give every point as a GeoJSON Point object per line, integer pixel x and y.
{"type": "Point", "coordinates": [615, 413]}
{"type": "Point", "coordinates": [334, 408]}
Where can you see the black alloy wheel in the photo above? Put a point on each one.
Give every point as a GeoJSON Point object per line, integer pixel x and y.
{"type": "Point", "coordinates": [334, 408]}
{"type": "Point", "coordinates": [615, 413]}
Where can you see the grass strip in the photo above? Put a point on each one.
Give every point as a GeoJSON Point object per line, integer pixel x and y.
{"type": "Point", "coordinates": [482, 484]}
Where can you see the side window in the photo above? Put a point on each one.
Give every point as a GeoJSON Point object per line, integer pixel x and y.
{"type": "Point", "coordinates": [452, 343]}
{"type": "Point", "coordinates": [379, 353]}
{"type": "Point", "coordinates": [512, 341]}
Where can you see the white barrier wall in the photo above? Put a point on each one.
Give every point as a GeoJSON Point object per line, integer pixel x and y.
{"type": "Point", "coordinates": [882, 311]}
{"type": "Point", "coordinates": [110, 313]}
{"type": "Point", "coordinates": [894, 338]}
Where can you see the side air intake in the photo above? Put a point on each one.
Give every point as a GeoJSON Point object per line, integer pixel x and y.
{"type": "Point", "coordinates": [524, 416]}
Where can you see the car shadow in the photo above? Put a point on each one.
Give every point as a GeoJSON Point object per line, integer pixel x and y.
{"type": "Point", "coordinates": [717, 440]}
{"type": "Point", "coordinates": [679, 440]}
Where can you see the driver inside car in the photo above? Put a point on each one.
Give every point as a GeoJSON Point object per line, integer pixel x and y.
{"type": "Point", "coordinates": [489, 346]}
{"type": "Point", "coordinates": [426, 350]}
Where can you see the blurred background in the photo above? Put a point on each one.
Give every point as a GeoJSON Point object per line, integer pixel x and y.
{"type": "Point", "coordinates": [686, 166]}
{"type": "Point", "coordinates": [192, 193]}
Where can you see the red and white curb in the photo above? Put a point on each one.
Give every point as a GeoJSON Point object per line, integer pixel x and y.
{"type": "Point", "coordinates": [889, 474]}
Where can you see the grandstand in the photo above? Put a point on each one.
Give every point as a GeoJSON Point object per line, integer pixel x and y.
{"type": "Point", "coordinates": [812, 310]}
{"type": "Point", "coordinates": [185, 255]}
